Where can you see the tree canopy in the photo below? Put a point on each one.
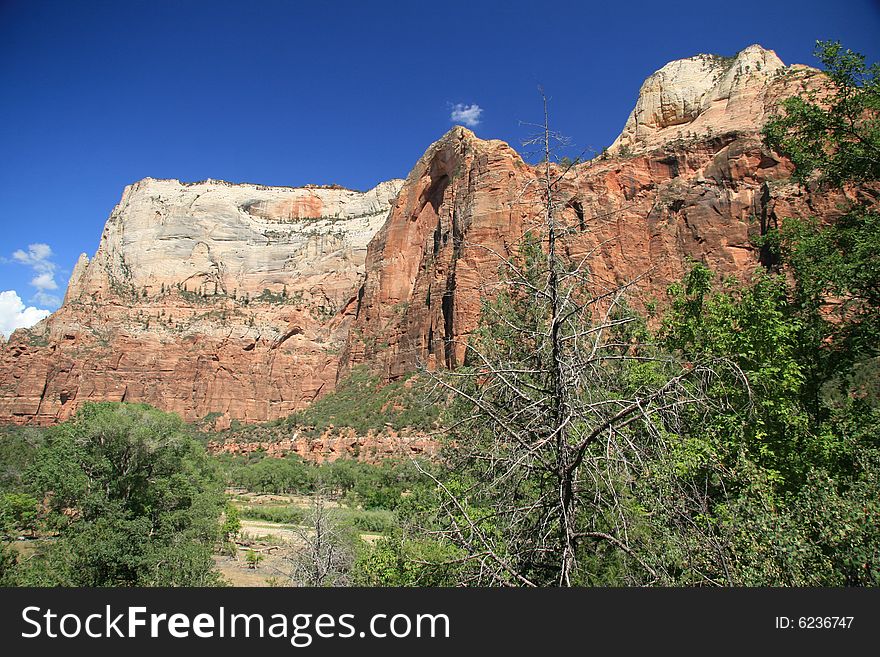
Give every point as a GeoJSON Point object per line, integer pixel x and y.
{"type": "Point", "coordinates": [132, 498]}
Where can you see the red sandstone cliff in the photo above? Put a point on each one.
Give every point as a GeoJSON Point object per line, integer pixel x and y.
{"type": "Point", "coordinates": [688, 180]}
{"type": "Point", "coordinates": [247, 302]}
{"type": "Point", "coordinates": [206, 299]}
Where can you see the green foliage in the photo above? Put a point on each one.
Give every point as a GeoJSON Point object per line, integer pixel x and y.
{"type": "Point", "coordinates": [231, 522]}
{"type": "Point", "coordinates": [789, 466]}
{"type": "Point", "coordinates": [8, 565]}
{"type": "Point", "coordinates": [753, 327]}
{"type": "Point", "coordinates": [18, 512]}
{"type": "Point", "coordinates": [837, 134]}
{"type": "Point", "coordinates": [285, 515]}
{"type": "Point", "coordinates": [364, 404]}
{"type": "Point", "coordinates": [135, 500]}
{"type": "Point", "coordinates": [837, 262]}
{"type": "Point", "coordinates": [267, 296]}
{"type": "Point", "coordinates": [376, 521]}
{"type": "Point", "coordinates": [373, 521]}
{"type": "Point", "coordinates": [340, 476]}
{"type": "Point", "coordinates": [253, 559]}
{"type": "Point", "coordinates": [18, 448]}
{"type": "Point", "coordinates": [412, 553]}
{"type": "Point", "coordinates": [274, 475]}
{"type": "Point", "coordinates": [399, 561]}
{"type": "Point", "coordinates": [359, 484]}
{"type": "Point", "coordinates": [381, 486]}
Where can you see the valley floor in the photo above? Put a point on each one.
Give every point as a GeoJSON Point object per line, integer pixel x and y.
{"type": "Point", "coordinates": [275, 542]}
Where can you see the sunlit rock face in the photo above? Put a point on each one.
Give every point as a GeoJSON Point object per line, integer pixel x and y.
{"type": "Point", "coordinates": [207, 299]}
{"type": "Point", "coordinates": [703, 96]}
{"type": "Point", "coordinates": [222, 238]}
{"type": "Point", "coordinates": [243, 302]}
{"type": "Point", "coordinates": [689, 179]}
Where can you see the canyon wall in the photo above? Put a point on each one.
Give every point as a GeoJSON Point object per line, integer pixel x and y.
{"type": "Point", "coordinates": [689, 179]}
{"type": "Point", "coordinates": [206, 299]}
{"type": "Point", "coordinates": [246, 302]}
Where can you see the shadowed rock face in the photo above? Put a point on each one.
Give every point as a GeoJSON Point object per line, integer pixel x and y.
{"type": "Point", "coordinates": [248, 302]}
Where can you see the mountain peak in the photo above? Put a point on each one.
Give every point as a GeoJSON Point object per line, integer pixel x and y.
{"type": "Point", "coordinates": [701, 95]}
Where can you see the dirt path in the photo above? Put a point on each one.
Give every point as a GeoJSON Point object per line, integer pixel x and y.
{"type": "Point", "coordinates": [268, 532]}
{"type": "Point", "coordinates": [273, 541]}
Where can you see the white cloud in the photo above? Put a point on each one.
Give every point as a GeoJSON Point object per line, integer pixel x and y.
{"type": "Point", "coordinates": [467, 114]}
{"type": "Point", "coordinates": [46, 299]}
{"type": "Point", "coordinates": [39, 258]}
{"type": "Point", "coordinates": [13, 313]}
{"type": "Point", "coordinates": [44, 282]}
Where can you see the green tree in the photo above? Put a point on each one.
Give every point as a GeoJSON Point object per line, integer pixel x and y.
{"type": "Point", "coordinates": [833, 132]}
{"type": "Point", "coordinates": [18, 512]}
{"type": "Point", "coordinates": [274, 475]}
{"type": "Point", "coordinates": [134, 496]}
{"type": "Point", "coordinates": [786, 482]}
{"type": "Point", "coordinates": [231, 522]}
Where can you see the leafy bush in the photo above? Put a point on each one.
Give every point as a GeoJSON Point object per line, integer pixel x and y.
{"type": "Point", "coordinates": [134, 497]}
{"type": "Point", "coordinates": [376, 521]}
{"type": "Point", "coordinates": [285, 515]}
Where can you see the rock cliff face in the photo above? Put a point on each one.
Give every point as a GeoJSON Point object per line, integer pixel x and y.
{"type": "Point", "coordinates": [338, 444]}
{"type": "Point", "coordinates": [247, 302]}
{"type": "Point", "coordinates": [215, 238]}
{"type": "Point", "coordinates": [687, 180]}
{"type": "Point", "coordinates": [206, 299]}
{"type": "Point", "coordinates": [706, 95]}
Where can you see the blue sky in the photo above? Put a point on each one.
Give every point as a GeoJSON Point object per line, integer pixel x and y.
{"type": "Point", "coordinates": [96, 95]}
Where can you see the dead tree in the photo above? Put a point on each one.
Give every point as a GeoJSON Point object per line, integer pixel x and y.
{"type": "Point", "coordinates": [552, 425]}
{"type": "Point", "coordinates": [324, 551]}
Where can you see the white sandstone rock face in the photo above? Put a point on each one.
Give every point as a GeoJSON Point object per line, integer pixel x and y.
{"type": "Point", "coordinates": [79, 270]}
{"type": "Point", "coordinates": [207, 299]}
{"type": "Point", "coordinates": [698, 96]}
{"type": "Point", "coordinates": [236, 240]}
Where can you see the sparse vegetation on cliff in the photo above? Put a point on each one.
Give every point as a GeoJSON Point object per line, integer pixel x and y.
{"type": "Point", "coordinates": [364, 404]}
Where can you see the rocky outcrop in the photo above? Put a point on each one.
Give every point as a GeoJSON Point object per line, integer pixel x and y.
{"type": "Point", "coordinates": [708, 95]}
{"type": "Point", "coordinates": [204, 299]}
{"type": "Point", "coordinates": [216, 238]}
{"type": "Point", "coordinates": [337, 444]}
{"type": "Point", "coordinates": [248, 302]}
{"type": "Point", "coordinates": [688, 180]}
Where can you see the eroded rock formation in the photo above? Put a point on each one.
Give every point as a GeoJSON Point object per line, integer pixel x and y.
{"type": "Point", "coordinates": [337, 444]}
{"type": "Point", "coordinates": [247, 302]}
{"type": "Point", "coordinates": [688, 180]}
{"type": "Point", "coordinates": [209, 298]}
